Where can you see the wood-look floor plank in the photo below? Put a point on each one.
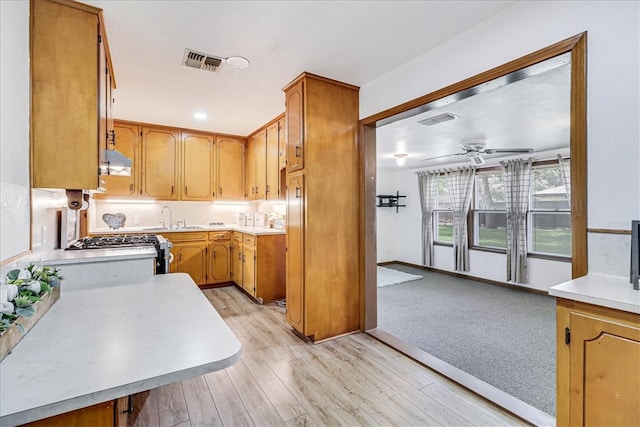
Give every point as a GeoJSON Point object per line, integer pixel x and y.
{"type": "Point", "coordinates": [352, 380]}
{"type": "Point", "coordinates": [310, 397]}
{"type": "Point", "coordinates": [230, 407]}
{"type": "Point", "coordinates": [258, 405]}
{"type": "Point", "coordinates": [145, 409]}
{"type": "Point", "coordinates": [200, 406]}
{"type": "Point", "coordinates": [172, 408]}
{"type": "Point", "coordinates": [282, 399]}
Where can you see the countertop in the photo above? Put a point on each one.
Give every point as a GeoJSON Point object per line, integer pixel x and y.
{"type": "Point", "coordinates": [97, 345]}
{"type": "Point", "coordinates": [599, 289]}
{"type": "Point", "coordinates": [62, 257]}
{"type": "Point", "coordinates": [158, 230]}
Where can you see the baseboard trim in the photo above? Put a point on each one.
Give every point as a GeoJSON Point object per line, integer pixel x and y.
{"type": "Point", "coordinates": [465, 276]}
{"type": "Point", "coordinates": [515, 406]}
{"type": "Point", "coordinates": [215, 285]}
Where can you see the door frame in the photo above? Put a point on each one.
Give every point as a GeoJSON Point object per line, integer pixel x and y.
{"type": "Point", "coordinates": [577, 45]}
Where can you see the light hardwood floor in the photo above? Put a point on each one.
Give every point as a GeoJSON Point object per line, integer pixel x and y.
{"type": "Point", "coordinates": [282, 380]}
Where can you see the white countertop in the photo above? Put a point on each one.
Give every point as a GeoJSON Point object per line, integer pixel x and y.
{"type": "Point", "coordinates": [101, 344]}
{"type": "Point", "coordinates": [61, 257]}
{"type": "Point", "coordinates": [599, 289]}
{"type": "Point", "coordinates": [157, 230]}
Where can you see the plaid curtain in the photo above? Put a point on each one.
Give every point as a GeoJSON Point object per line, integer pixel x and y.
{"type": "Point", "coordinates": [428, 186]}
{"type": "Point", "coordinates": [460, 184]}
{"type": "Point", "coordinates": [517, 180]}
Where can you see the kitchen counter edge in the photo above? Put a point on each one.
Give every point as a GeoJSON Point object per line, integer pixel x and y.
{"type": "Point", "coordinates": [601, 290]}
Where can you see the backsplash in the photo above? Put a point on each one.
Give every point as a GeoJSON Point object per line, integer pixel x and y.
{"type": "Point", "coordinates": [148, 213]}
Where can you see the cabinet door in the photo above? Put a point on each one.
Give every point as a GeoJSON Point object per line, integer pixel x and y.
{"type": "Point", "coordinates": [261, 165]}
{"type": "Point", "coordinates": [250, 169]}
{"type": "Point", "coordinates": [197, 166]}
{"type": "Point", "coordinates": [282, 145]}
{"type": "Point", "coordinates": [295, 251]}
{"type": "Point", "coordinates": [127, 141]}
{"type": "Point", "coordinates": [160, 163]}
{"type": "Point", "coordinates": [272, 163]}
{"type": "Point", "coordinates": [605, 372]}
{"type": "Point", "coordinates": [249, 270]}
{"type": "Point", "coordinates": [295, 127]}
{"type": "Point", "coordinates": [219, 262]}
{"type": "Point", "coordinates": [191, 258]}
{"type": "Point", "coordinates": [64, 96]}
{"type": "Point", "coordinates": [236, 261]}
{"type": "Point", "coordinates": [230, 171]}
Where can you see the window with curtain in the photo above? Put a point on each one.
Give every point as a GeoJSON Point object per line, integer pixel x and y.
{"type": "Point", "coordinates": [549, 222]}
{"type": "Point", "coordinates": [549, 216]}
{"type": "Point", "coordinates": [443, 214]}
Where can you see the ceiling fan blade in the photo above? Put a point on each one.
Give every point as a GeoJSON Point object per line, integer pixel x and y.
{"type": "Point", "coordinates": [441, 157]}
{"type": "Point", "coordinates": [508, 150]}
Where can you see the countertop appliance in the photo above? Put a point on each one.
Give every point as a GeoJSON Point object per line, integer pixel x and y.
{"type": "Point", "coordinates": [117, 241]}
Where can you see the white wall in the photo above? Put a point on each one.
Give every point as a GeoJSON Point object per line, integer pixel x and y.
{"type": "Point", "coordinates": [613, 44]}
{"type": "Point", "coordinates": [14, 128]}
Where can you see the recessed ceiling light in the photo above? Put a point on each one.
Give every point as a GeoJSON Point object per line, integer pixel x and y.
{"type": "Point", "coordinates": [200, 116]}
{"type": "Point", "coordinates": [401, 159]}
{"type": "Point", "coordinates": [237, 62]}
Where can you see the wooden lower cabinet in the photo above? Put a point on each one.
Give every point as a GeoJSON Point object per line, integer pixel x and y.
{"type": "Point", "coordinates": [190, 255]}
{"type": "Point", "coordinates": [258, 264]}
{"type": "Point", "coordinates": [106, 414]}
{"type": "Point", "coordinates": [219, 257]}
{"type": "Point", "coordinates": [598, 366]}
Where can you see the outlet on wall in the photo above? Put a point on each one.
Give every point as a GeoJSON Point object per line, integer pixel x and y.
{"type": "Point", "coordinates": [43, 235]}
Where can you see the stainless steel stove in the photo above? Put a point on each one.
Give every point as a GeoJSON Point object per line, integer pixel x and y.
{"type": "Point", "coordinates": [122, 241]}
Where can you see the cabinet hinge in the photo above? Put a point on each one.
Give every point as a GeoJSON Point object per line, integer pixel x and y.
{"type": "Point", "coordinates": [567, 335]}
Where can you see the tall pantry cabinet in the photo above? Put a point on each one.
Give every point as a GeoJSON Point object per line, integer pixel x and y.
{"type": "Point", "coordinates": [322, 265]}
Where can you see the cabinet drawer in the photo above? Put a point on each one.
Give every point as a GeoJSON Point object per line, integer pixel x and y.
{"type": "Point", "coordinates": [237, 238]}
{"type": "Point", "coordinates": [249, 240]}
{"type": "Point", "coordinates": [220, 235]}
{"type": "Point", "coordinates": [185, 237]}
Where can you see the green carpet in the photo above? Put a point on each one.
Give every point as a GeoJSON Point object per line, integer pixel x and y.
{"type": "Point", "coordinates": [499, 335]}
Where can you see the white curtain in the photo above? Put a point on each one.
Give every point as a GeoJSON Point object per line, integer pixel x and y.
{"type": "Point", "coordinates": [428, 186]}
{"type": "Point", "coordinates": [460, 184]}
{"type": "Point", "coordinates": [517, 180]}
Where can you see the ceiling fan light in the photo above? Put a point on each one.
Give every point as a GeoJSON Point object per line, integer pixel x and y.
{"type": "Point", "coordinates": [401, 159]}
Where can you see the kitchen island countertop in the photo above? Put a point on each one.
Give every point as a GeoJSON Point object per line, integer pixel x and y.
{"type": "Point", "coordinates": [602, 290]}
{"type": "Point", "coordinates": [99, 344]}
{"type": "Point", "coordinates": [61, 256]}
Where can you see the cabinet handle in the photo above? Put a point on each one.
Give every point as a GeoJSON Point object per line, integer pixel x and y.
{"type": "Point", "coordinates": [172, 190]}
{"type": "Point", "coordinates": [186, 191]}
{"type": "Point", "coordinates": [297, 151]}
{"type": "Point", "coordinates": [297, 192]}
{"type": "Point", "coordinates": [131, 188]}
{"type": "Point", "coordinates": [220, 191]}
{"type": "Point", "coordinates": [214, 254]}
{"type": "Point", "coordinates": [180, 256]}
{"type": "Point", "coordinates": [268, 189]}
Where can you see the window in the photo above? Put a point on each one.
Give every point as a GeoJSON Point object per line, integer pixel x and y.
{"type": "Point", "coordinates": [549, 222]}
{"type": "Point", "coordinates": [549, 217]}
{"type": "Point", "coordinates": [489, 213]}
{"type": "Point", "coordinates": [443, 214]}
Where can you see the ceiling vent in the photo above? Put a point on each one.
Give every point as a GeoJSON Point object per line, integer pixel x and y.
{"type": "Point", "coordinates": [440, 118]}
{"type": "Point", "coordinates": [201, 60]}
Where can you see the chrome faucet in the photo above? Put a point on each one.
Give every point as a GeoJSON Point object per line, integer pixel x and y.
{"type": "Point", "coordinates": [170, 216]}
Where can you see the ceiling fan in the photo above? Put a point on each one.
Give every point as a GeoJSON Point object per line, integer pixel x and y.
{"type": "Point", "coordinates": [474, 149]}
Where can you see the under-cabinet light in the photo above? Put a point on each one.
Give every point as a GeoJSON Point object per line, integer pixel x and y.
{"type": "Point", "coordinates": [229, 202]}
{"type": "Point", "coordinates": [130, 201]}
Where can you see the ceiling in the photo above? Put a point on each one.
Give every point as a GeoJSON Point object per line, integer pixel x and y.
{"type": "Point", "coordinates": [531, 112]}
{"type": "Point", "coordinates": [350, 41]}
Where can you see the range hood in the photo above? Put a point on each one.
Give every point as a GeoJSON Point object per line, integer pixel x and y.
{"type": "Point", "coordinates": [114, 163]}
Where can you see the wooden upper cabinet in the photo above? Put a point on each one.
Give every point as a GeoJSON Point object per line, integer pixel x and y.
{"type": "Point", "coordinates": [282, 145]}
{"type": "Point", "coordinates": [127, 141]}
{"type": "Point", "coordinates": [295, 126]}
{"type": "Point", "coordinates": [160, 163]}
{"type": "Point", "coordinates": [65, 95]}
{"type": "Point", "coordinates": [198, 152]}
{"type": "Point", "coordinates": [272, 162]}
{"type": "Point", "coordinates": [230, 173]}
{"type": "Point", "coordinates": [250, 171]}
{"type": "Point", "coordinates": [261, 165]}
